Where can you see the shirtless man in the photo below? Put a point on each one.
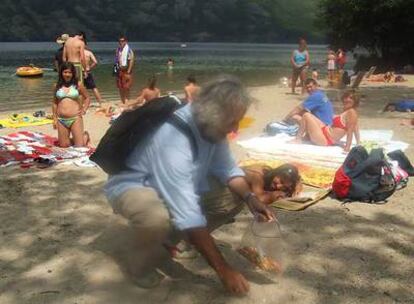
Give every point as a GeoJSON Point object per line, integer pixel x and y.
{"type": "Point", "coordinates": [91, 62]}
{"type": "Point", "coordinates": [74, 52]}
{"type": "Point", "coordinates": [191, 89]}
{"type": "Point", "coordinates": [148, 93]}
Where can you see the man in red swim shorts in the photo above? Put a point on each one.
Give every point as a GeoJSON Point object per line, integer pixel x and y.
{"type": "Point", "coordinates": [124, 59]}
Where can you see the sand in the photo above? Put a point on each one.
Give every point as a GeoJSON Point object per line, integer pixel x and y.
{"type": "Point", "coordinates": [61, 242]}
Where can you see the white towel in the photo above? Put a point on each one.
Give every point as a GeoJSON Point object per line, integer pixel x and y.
{"type": "Point", "coordinates": [123, 58]}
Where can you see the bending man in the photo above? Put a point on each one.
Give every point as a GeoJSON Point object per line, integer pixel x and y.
{"type": "Point", "coordinates": [161, 192]}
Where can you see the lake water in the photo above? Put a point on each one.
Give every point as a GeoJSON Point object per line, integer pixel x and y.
{"type": "Point", "coordinates": [255, 64]}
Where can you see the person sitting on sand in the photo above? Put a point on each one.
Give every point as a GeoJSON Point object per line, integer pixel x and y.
{"type": "Point", "coordinates": [191, 89]}
{"type": "Point", "coordinates": [70, 103]}
{"type": "Point", "coordinates": [317, 104]}
{"type": "Point", "coordinates": [382, 77]}
{"type": "Point", "coordinates": [148, 93]}
{"type": "Point", "coordinates": [109, 109]}
{"type": "Point", "coordinates": [270, 184]}
{"type": "Point", "coordinates": [344, 124]}
{"type": "Point", "coordinates": [399, 106]}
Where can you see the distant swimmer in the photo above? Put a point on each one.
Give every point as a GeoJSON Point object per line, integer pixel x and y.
{"type": "Point", "coordinates": [170, 63]}
{"type": "Point", "coordinates": [191, 89]}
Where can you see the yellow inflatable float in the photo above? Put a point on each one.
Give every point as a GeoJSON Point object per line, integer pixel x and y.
{"type": "Point", "coordinates": [29, 71]}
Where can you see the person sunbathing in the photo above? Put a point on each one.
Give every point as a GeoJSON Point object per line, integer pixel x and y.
{"type": "Point", "coordinates": [109, 109]}
{"type": "Point", "coordinates": [386, 77]}
{"type": "Point", "coordinates": [270, 184]}
{"type": "Point", "coordinates": [399, 106]}
{"type": "Point", "coordinates": [148, 93]}
{"type": "Point", "coordinates": [344, 124]}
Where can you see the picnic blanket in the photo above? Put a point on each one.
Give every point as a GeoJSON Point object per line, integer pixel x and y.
{"type": "Point", "coordinates": [311, 175]}
{"type": "Point", "coordinates": [278, 148]}
{"type": "Point", "coordinates": [25, 148]}
{"type": "Point", "coordinates": [23, 120]}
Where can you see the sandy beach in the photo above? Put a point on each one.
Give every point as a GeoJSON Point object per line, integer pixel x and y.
{"type": "Point", "coordinates": [61, 242]}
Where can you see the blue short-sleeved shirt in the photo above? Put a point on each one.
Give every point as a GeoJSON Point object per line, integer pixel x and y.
{"type": "Point", "coordinates": [165, 162]}
{"type": "Point", "coordinates": [319, 105]}
{"type": "Point", "coordinates": [404, 105]}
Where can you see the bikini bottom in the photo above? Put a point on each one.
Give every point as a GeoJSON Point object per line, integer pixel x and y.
{"type": "Point", "coordinates": [67, 121]}
{"type": "Point", "coordinates": [329, 140]}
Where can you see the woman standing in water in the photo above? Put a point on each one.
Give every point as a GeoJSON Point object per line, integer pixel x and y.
{"type": "Point", "coordinates": [70, 103]}
{"type": "Point", "coordinates": [300, 64]}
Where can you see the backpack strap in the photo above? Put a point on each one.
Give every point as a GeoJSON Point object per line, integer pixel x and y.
{"type": "Point", "coordinates": [185, 129]}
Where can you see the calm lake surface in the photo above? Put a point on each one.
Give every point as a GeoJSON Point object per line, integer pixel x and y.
{"type": "Point", "coordinates": [255, 64]}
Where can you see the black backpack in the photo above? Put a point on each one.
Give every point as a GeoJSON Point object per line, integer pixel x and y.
{"type": "Point", "coordinates": [135, 126]}
{"type": "Point", "coordinates": [364, 177]}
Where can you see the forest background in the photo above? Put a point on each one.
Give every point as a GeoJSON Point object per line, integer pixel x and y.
{"type": "Point", "coordinates": [383, 27]}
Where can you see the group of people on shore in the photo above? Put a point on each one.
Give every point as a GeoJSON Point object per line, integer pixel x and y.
{"type": "Point", "coordinates": [74, 62]}
{"type": "Point", "coordinates": [163, 188]}
{"type": "Point", "coordinates": [317, 122]}
{"type": "Point", "coordinates": [300, 61]}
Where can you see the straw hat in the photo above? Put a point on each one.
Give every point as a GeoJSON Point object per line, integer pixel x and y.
{"type": "Point", "coordinates": [62, 39]}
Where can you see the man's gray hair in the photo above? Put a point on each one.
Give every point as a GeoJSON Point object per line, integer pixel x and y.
{"type": "Point", "coordinates": [219, 100]}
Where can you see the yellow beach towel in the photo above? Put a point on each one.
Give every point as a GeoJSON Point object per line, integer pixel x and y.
{"type": "Point", "coordinates": [23, 120]}
{"type": "Point", "coordinates": [311, 175]}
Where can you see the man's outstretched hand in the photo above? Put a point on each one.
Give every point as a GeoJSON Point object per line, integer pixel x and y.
{"type": "Point", "coordinates": [260, 210]}
{"type": "Point", "coordinates": [234, 281]}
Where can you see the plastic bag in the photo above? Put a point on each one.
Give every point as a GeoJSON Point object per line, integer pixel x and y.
{"type": "Point", "coordinates": [262, 245]}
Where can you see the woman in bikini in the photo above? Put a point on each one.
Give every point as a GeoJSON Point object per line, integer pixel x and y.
{"type": "Point", "coordinates": [70, 103]}
{"type": "Point", "coordinates": [270, 184]}
{"type": "Point", "coordinates": [344, 124]}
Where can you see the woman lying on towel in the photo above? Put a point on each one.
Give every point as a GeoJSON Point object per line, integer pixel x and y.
{"type": "Point", "coordinates": [343, 124]}
{"type": "Point", "coordinates": [270, 184]}
{"type": "Point", "coordinates": [70, 103]}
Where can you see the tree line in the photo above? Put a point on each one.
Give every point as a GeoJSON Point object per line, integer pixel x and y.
{"type": "Point", "coordinates": [161, 20]}
{"type": "Point", "coordinates": [384, 28]}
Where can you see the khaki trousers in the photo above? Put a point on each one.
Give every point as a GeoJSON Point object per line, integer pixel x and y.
{"type": "Point", "coordinates": [151, 227]}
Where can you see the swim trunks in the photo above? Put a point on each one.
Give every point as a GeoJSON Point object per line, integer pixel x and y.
{"type": "Point", "coordinates": [90, 82]}
{"type": "Point", "coordinates": [124, 80]}
{"type": "Point", "coordinates": [79, 71]}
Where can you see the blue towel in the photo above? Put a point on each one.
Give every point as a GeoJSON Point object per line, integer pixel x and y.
{"type": "Point", "coordinates": [274, 128]}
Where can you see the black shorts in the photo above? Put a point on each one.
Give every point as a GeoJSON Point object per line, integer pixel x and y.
{"type": "Point", "coordinates": [89, 82]}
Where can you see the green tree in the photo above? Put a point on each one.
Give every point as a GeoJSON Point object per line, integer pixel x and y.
{"type": "Point", "coordinates": [383, 27]}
